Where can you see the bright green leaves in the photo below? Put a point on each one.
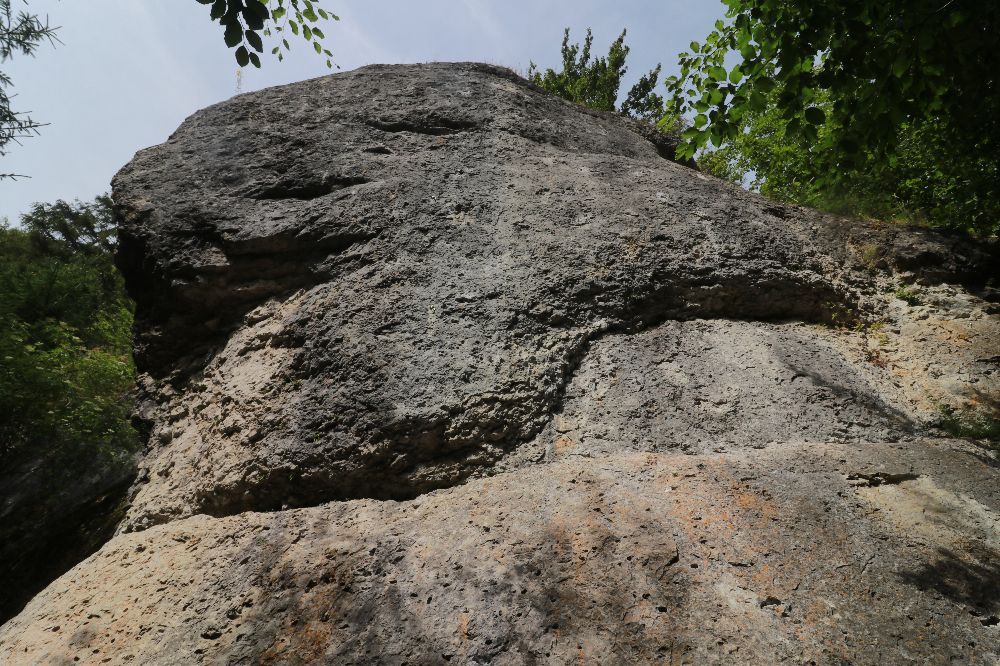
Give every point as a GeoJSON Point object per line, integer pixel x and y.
{"type": "Point", "coordinates": [884, 63]}
{"type": "Point", "coordinates": [718, 73]}
{"type": "Point", "coordinates": [246, 21]}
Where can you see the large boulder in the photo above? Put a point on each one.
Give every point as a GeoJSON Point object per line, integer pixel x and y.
{"type": "Point", "coordinates": [504, 383]}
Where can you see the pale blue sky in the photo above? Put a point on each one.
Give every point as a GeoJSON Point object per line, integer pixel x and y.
{"type": "Point", "coordinates": [129, 71]}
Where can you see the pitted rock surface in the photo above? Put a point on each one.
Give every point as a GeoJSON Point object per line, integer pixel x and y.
{"type": "Point", "coordinates": [825, 554]}
{"type": "Point", "coordinates": [506, 384]}
{"type": "Point", "coordinates": [379, 283]}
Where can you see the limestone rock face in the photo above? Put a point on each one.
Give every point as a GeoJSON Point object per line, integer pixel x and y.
{"type": "Point", "coordinates": [440, 368]}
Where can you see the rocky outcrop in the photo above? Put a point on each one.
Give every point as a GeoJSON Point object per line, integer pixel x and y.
{"type": "Point", "coordinates": [823, 553]}
{"type": "Point", "coordinates": [503, 383]}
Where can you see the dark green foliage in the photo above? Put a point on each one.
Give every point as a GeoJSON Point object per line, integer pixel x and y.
{"type": "Point", "coordinates": [883, 108]}
{"type": "Point", "coordinates": [595, 82]}
{"type": "Point", "coordinates": [65, 336]}
{"type": "Point", "coordinates": [883, 63]}
{"type": "Point", "coordinates": [244, 21]}
{"type": "Point", "coordinates": [931, 178]}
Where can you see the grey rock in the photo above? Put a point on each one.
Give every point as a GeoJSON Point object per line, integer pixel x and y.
{"type": "Point", "coordinates": [379, 283]}
{"type": "Point", "coordinates": [438, 367]}
{"type": "Point", "coordinates": [747, 557]}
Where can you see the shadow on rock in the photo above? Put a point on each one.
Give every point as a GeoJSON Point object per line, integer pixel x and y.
{"type": "Point", "coordinates": [972, 579]}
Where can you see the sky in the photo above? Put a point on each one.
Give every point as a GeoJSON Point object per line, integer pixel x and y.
{"type": "Point", "coordinates": [127, 72]}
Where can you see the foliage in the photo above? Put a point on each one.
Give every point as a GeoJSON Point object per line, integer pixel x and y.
{"type": "Point", "coordinates": [884, 108]}
{"type": "Point", "coordinates": [970, 423]}
{"type": "Point", "coordinates": [65, 336]}
{"type": "Point", "coordinates": [596, 82]}
{"type": "Point", "coordinates": [20, 33]}
{"type": "Point", "coordinates": [882, 62]}
{"type": "Point", "coordinates": [907, 295]}
{"type": "Point", "coordinates": [244, 21]}
{"type": "Point", "coordinates": [931, 178]}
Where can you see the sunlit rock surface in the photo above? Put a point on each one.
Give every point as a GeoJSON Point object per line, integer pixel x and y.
{"type": "Point", "coordinates": [440, 368]}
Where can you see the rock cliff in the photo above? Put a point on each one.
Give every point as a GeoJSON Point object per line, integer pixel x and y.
{"type": "Point", "coordinates": [438, 367]}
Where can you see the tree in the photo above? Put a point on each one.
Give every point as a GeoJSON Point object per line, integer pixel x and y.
{"type": "Point", "coordinates": [65, 337]}
{"type": "Point", "coordinates": [859, 82]}
{"type": "Point", "coordinates": [596, 83]}
{"type": "Point", "coordinates": [244, 23]}
{"type": "Point", "coordinates": [20, 33]}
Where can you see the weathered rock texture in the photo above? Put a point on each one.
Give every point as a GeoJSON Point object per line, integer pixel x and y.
{"type": "Point", "coordinates": [543, 395]}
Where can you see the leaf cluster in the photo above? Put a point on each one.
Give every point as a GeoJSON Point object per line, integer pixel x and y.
{"type": "Point", "coordinates": [933, 177]}
{"type": "Point", "coordinates": [883, 63]}
{"type": "Point", "coordinates": [246, 22]}
{"type": "Point", "coordinates": [887, 108]}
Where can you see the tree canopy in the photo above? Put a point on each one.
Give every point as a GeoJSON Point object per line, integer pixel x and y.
{"type": "Point", "coordinates": [65, 336]}
{"type": "Point", "coordinates": [596, 82]}
{"type": "Point", "coordinates": [881, 62]}
{"type": "Point", "coordinates": [835, 101]}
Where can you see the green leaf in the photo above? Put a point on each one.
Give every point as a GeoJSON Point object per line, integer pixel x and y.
{"type": "Point", "coordinates": [254, 40]}
{"type": "Point", "coordinates": [242, 56]}
{"type": "Point", "coordinates": [901, 66]}
{"type": "Point", "coordinates": [815, 115]}
{"type": "Point", "coordinates": [233, 34]}
{"type": "Point", "coordinates": [690, 134]}
{"type": "Point", "coordinates": [765, 84]}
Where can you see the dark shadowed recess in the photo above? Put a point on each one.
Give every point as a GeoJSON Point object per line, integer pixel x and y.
{"type": "Point", "coordinates": [62, 513]}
